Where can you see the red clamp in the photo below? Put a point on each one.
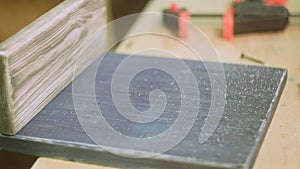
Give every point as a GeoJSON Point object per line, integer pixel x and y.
{"type": "Point", "coordinates": [228, 24]}
{"type": "Point", "coordinates": [180, 20]}
{"type": "Point", "coordinates": [276, 2]}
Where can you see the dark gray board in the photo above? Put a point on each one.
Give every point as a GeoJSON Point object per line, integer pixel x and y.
{"type": "Point", "coordinates": [252, 97]}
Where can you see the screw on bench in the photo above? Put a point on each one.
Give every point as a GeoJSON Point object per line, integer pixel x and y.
{"type": "Point", "coordinates": [243, 56]}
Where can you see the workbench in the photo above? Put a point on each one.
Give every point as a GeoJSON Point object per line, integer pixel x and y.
{"type": "Point", "coordinates": [281, 146]}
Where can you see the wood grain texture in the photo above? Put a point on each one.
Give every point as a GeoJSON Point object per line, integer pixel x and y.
{"type": "Point", "coordinates": [38, 62]}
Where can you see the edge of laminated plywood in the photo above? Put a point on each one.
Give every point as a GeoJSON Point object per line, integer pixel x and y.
{"type": "Point", "coordinates": [38, 61]}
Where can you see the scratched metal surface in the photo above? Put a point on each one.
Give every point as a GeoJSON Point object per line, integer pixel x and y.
{"type": "Point", "coordinates": [251, 100]}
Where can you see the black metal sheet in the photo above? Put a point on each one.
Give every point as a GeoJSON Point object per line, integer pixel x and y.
{"type": "Point", "coordinates": [252, 96]}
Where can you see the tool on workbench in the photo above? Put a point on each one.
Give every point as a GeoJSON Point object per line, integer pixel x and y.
{"type": "Point", "coordinates": [248, 16]}
{"type": "Point", "coordinates": [242, 17]}
{"type": "Point", "coordinates": [266, 2]}
{"type": "Point", "coordinates": [176, 19]}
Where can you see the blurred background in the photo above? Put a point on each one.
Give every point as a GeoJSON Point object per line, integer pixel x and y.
{"type": "Point", "coordinates": [16, 14]}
